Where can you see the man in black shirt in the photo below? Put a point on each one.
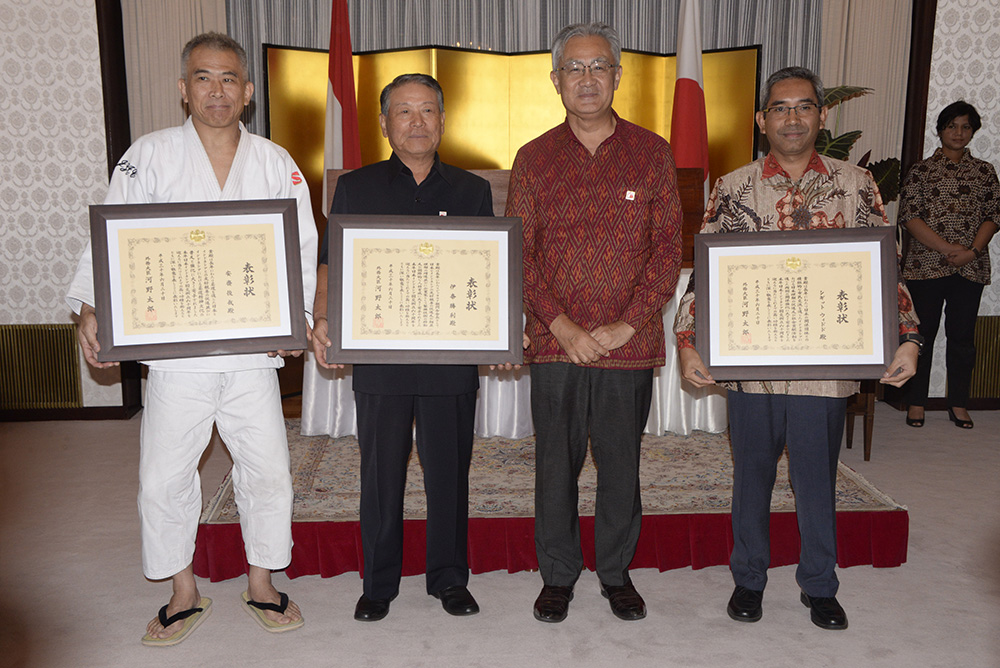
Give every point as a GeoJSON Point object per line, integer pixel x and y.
{"type": "Point", "coordinates": [442, 398]}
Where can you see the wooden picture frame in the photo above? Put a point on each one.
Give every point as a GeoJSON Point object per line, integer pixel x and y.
{"type": "Point", "coordinates": [827, 307]}
{"type": "Point", "coordinates": [374, 258]}
{"type": "Point", "coordinates": [160, 279]}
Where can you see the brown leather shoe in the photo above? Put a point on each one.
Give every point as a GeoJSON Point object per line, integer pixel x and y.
{"type": "Point", "coordinates": [552, 603]}
{"type": "Point", "coordinates": [625, 601]}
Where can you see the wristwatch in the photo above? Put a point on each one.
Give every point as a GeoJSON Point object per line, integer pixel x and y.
{"type": "Point", "coordinates": [975, 251]}
{"type": "Point", "coordinates": [913, 337]}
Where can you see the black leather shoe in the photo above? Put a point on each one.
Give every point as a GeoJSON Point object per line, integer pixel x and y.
{"type": "Point", "coordinates": [371, 610]}
{"type": "Point", "coordinates": [457, 601]}
{"type": "Point", "coordinates": [744, 605]}
{"type": "Point", "coordinates": [625, 601]}
{"type": "Point", "coordinates": [825, 613]}
{"type": "Point", "coordinates": [552, 603]}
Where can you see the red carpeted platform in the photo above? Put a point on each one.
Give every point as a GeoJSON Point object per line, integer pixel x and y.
{"type": "Point", "coordinates": [686, 489]}
{"type": "Point", "coordinates": [327, 549]}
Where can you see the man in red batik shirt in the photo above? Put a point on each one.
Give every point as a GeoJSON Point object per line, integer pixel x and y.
{"type": "Point", "coordinates": [602, 218]}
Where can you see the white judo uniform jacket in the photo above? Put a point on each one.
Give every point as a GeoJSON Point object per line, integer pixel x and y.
{"type": "Point", "coordinates": [238, 393]}
{"type": "Point", "coordinates": [172, 166]}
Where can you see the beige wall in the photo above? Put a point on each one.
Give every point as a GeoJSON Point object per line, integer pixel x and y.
{"type": "Point", "coordinates": [53, 146]}
{"type": "Point", "coordinates": [54, 162]}
{"type": "Point", "coordinates": [964, 65]}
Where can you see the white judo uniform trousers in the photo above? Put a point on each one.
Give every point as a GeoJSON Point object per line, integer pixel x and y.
{"type": "Point", "coordinates": [238, 393]}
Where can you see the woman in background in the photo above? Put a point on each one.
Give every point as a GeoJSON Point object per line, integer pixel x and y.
{"type": "Point", "coordinates": [950, 204]}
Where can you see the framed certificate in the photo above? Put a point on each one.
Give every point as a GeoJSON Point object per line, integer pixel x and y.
{"type": "Point", "coordinates": [197, 278]}
{"type": "Point", "coordinates": [813, 304]}
{"type": "Point", "coordinates": [425, 290]}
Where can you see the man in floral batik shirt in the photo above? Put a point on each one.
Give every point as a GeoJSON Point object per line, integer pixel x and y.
{"type": "Point", "coordinates": [791, 188]}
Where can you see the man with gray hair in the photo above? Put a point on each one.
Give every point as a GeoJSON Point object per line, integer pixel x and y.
{"type": "Point", "coordinates": [211, 157]}
{"type": "Point", "coordinates": [390, 398]}
{"type": "Point", "coordinates": [791, 188]}
{"type": "Point", "coordinates": [602, 219]}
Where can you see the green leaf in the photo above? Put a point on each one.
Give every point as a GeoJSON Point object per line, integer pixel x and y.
{"type": "Point", "coordinates": [886, 174]}
{"type": "Point", "coordinates": [836, 95]}
{"type": "Point", "coordinates": [838, 148]}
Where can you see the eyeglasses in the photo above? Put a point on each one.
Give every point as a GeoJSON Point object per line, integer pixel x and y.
{"type": "Point", "coordinates": [575, 69]}
{"type": "Point", "coordinates": [804, 109]}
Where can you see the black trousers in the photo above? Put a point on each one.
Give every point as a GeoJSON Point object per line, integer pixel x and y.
{"type": "Point", "coordinates": [568, 404]}
{"type": "Point", "coordinates": [960, 299]}
{"type": "Point", "coordinates": [760, 426]}
{"type": "Point", "coordinates": [444, 426]}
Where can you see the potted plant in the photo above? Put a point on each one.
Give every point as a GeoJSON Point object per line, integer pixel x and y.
{"type": "Point", "coordinates": [885, 172]}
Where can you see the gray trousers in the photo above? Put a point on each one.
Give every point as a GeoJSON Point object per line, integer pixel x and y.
{"type": "Point", "coordinates": [568, 404]}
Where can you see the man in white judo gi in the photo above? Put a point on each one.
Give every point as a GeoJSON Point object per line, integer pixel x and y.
{"type": "Point", "coordinates": [211, 157]}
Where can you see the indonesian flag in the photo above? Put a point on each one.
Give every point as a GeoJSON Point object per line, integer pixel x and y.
{"type": "Point", "coordinates": [342, 148]}
{"type": "Point", "coordinates": [688, 127]}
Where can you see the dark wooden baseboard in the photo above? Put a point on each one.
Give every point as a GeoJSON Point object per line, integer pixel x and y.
{"type": "Point", "coordinates": [47, 414]}
{"type": "Point", "coordinates": [941, 404]}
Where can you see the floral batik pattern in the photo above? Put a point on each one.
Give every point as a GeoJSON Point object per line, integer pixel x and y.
{"type": "Point", "coordinates": [762, 197]}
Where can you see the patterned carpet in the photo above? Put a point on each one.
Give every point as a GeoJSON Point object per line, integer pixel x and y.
{"type": "Point", "coordinates": [680, 475]}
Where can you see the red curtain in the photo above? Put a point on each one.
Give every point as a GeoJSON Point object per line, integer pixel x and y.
{"type": "Point", "coordinates": [666, 542]}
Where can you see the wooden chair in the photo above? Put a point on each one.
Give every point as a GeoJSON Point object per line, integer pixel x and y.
{"type": "Point", "coordinates": [862, 403]}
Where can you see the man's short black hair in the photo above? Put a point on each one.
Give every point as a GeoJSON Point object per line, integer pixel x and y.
{"type": "Point", "coordinates": [794, 73]}
{"type": "Point", "coordinates": [402, 80]}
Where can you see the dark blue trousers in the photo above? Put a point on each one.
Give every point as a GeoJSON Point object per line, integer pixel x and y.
{"type": "Point", "coordinates": [760, 427]}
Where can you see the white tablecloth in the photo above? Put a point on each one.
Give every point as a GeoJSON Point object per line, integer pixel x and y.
{"type": "Point", "coordinates": [504, 407]}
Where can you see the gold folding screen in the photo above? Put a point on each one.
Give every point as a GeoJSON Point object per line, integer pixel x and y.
{"type": "Point", "coordinates": [495, 103]}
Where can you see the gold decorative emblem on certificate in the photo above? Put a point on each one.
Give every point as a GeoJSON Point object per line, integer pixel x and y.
{"type": "Point", "coordinates": [418, 291]}
{"type": "Point", "coordinates": [189, 280]}
{"type": "Point", "coordinates": [814, 304]}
